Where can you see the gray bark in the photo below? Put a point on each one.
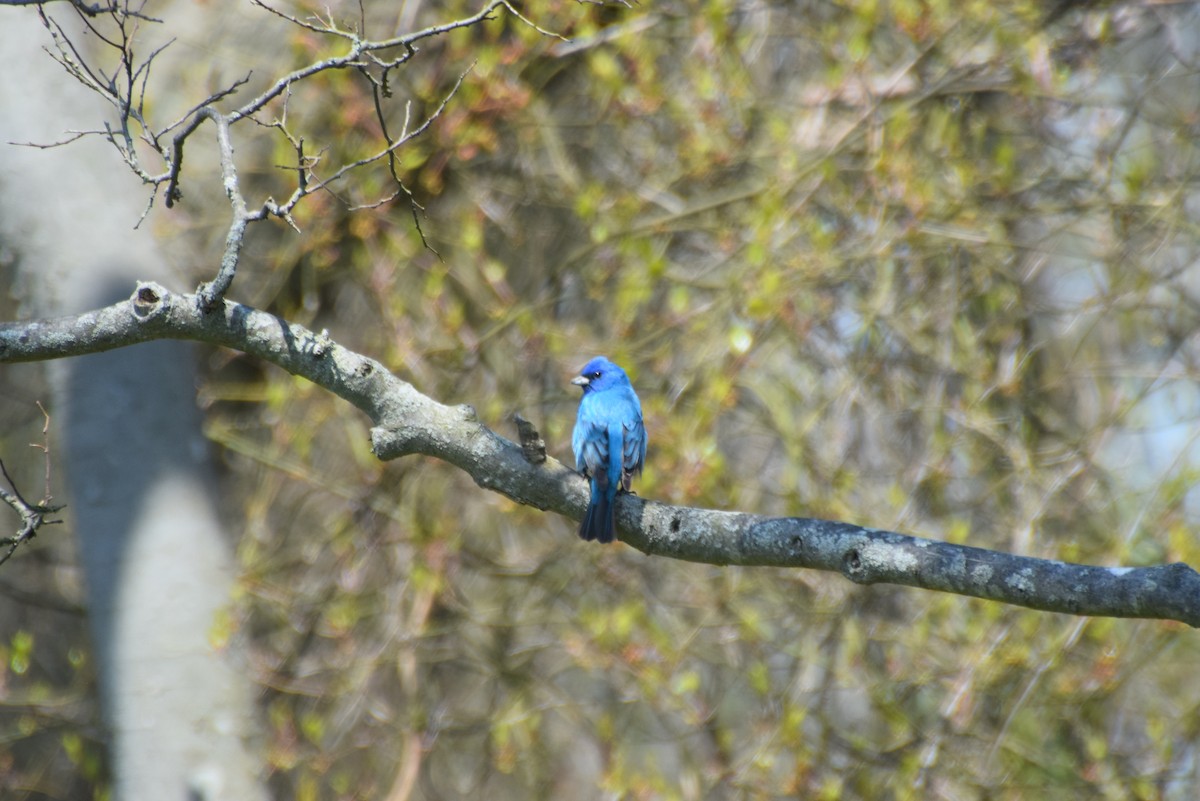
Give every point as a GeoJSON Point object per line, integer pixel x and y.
{"type": "Point", "coordinates": [407, 422]}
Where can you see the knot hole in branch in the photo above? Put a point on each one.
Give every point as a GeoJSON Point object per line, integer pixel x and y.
{"type": "Point", "coordinates": [148, 301]}
{"type": "Point", "coordinates": [852, 564]}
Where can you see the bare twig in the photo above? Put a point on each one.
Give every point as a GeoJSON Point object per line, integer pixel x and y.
{"type": "Point", "coordinates": [126, 87]}
{"type": "Point", "coordinates": [391, 148]}
{"type": "Point", "coordinates": [44, 447]}
{"type": "Point", "coordinates": [33, 515]}
{"type": "Point", "coordinates": [353, 57]}
{"type": "Point", "coordinates": [86, 9]}
{"type": "Point", "coordinates": [72, 136]}
{"type": "Point", "coordinates": [380, 88]}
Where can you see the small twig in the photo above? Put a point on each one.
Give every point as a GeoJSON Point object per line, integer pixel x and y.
{"type": "Point", "coordinates": [377, 89]}
{"type": "Point", "coordinates": [352, 58]}
{"type": "Point", "coordinates": [126, 87]}
{"type": "Point", "coordinates": [73, 136]}
{"type": "Point", "coordinates": [67, 56]}
{"type": "Point", "coordinates": [33, 516]}
{"type": "Point", "coordinates": [45, 448]}
{"type": "Point", "coordinates": [146, 211]}
{"type": "Point", "coordinates": [220, 94]}
{"type": "Point", "coordinates": [414, 133]}
{"type": "Point", "coordinates": [512, 10]}
{"type": "Point", "coordinates": [322, 27]}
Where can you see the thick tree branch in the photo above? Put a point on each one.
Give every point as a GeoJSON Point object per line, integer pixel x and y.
{"type": "Point", "coordinates": [407, 422]}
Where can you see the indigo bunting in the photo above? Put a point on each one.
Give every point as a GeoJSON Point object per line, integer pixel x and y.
{"type": "Point", "coordinates": [609, 442]}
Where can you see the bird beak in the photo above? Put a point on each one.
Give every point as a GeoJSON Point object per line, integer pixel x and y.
{"type": "Point", "coordinates": [580, 381]}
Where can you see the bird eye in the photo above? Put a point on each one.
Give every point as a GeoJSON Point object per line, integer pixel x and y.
{"type": "Point", "coordinates": [596, 374]}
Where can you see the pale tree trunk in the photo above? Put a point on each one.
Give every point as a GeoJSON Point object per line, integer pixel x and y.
{"type": "Point", "coordinates": [158, 564]}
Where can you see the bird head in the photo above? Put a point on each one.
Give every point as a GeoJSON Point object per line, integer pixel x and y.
{"type": "Point", "coordinates": [599, 374]}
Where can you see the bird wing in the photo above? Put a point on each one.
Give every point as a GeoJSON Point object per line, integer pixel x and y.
{"type": "Point", "coordinates": [633, 451]}
{"type": "Point", "coordinates": [590, 440]}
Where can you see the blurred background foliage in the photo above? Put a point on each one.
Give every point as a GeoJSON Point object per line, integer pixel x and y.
{"type": "Point", "coordinates": [924, 266]}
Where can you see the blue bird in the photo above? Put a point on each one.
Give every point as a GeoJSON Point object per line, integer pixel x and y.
{"type": "Point", "coordinates": [609, 442]}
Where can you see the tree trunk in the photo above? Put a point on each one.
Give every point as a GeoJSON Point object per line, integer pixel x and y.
{"type": "Point", "coordinates": [158, 564]}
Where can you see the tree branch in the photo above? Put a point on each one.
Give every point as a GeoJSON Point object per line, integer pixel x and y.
{"type": "Point", "coordinates": [125, 89]}
{"type": "Point", "coordinates": [88, 9]}
{"type": "Point", "coordinates": [406, 422]}
{"type": "Point", "coordinates": [33, 515]}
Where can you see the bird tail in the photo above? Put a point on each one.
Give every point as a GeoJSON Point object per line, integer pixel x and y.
{"type": "Point", "coordinates": [600, 522]}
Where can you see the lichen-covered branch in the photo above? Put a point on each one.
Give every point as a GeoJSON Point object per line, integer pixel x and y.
{"type": "Point", "coordinates": [406, 422]}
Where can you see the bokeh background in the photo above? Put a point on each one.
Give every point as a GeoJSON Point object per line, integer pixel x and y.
{"type": "Point", "coordinates": [924, 266]}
